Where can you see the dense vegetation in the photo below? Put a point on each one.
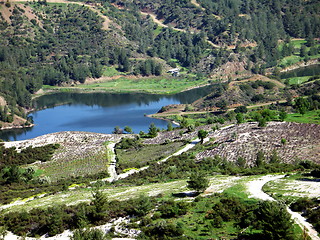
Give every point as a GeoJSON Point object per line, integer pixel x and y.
{"type": "Point", "coordinates": [184, 165]}
{"type": "Point", "coordinates": [310, 209]}
{"type": "Point", "coordinates": [20, 179]}
{"type": "Point", "coordinates": [237, 21]}
{"type": "Point", "coordinates": [46, 49]}
{"type": "Point", "coordinates": [65, 44]}
{"type": "Point", "coordinates": [172, 219]}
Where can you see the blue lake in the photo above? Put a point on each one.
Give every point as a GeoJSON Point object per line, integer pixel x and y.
{"type": "Point", "coordinates": [98, 112]}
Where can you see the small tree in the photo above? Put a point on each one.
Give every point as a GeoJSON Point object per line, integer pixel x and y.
{"type": "Point", "coordinates": [198, 182]}
{"type": "Point", "coordinates": [99, 202]}
{"type": "Point", "coordinates": [283, 115]}
{"type": "Point", "coordinates": [260, 159]}
{"type": "Point", "coordinates": [262, 122]}
{"type": "Point", "coordinates": [241, 162]}
{"type": "Point", "coordinates": [183, 123]}
{"type": "Point", "coordinates": [274, 157]}
{"type": "Point", "coordinates": [117, 130]}
{"type": "Point", "coordinates": [169, 126]}
{"type": "Point", "coordinates": [153, 131]}
{"type": "Point", "coordinates": [302, 105]}
{"type": "Point", "coordinates": [81, 234]}
{"type": "Point", "coordinates": [128, 129]}
{"type": "Point", "coordinates": [275, 221]}
{"type": "Point", "coordinates": [202, 134]}
{"type": "Point", "coordinates": [239, 118]}
{"type": "Point", "coordinates": [191, 128]}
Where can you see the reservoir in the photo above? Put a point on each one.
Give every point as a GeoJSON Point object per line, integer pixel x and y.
{"type": "Point", "coordinates": [311, 70]}
{"type": "Point", "coordinates": [98, 112]}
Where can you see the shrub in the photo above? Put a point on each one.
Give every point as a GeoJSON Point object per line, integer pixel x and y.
{"type": "Point", "coordinates": [198, 182]}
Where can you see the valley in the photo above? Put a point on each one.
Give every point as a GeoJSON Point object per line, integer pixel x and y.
{"type": "Point", "coordinates": [159, 119]}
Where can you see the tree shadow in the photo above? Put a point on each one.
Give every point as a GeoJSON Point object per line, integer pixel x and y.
{"type": "Point", "coordinates": [185, 194]}
{"type": "Point", "coordinates": [309, 179]}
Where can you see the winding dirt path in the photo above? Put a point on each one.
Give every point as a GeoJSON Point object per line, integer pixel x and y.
{"type": "Point", "coordinates": [255, 189]}
{"type": "Point", "coordinates": [112, 163]}
{"type": "Point", "coordinates": [161, 24]}
{"type": "Point", "coordinates": [105, 24]}
{"type": "Point", "coordinates": [256, 78]}
{"type": "Point", "coordinates": [195, 3]}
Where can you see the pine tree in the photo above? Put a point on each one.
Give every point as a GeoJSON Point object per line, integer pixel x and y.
{"type": "Point", "coordinates": [99, 205]}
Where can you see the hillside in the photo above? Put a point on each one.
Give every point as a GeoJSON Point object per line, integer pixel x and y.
{"type": "Point", "coordinates": [41, 42]}
{"type": "Point", "coordinates": [241, 163]}
{"type": "Point", "coordinates": [158, 191]}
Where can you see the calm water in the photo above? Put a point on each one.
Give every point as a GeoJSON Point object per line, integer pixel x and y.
{"type": "Point", "coordinates": [301, 72]}
{"type": "Point", "coordinates": [97, 112]}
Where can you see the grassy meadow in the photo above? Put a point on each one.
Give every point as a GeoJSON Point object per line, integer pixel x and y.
{"type": "Point", "coordinates": [308, 117]}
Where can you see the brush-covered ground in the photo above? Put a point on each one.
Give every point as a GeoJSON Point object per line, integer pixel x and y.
{"type": "Point", "coordinates": [155, 200]}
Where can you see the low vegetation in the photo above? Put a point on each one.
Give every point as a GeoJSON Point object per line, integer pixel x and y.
{"type": "Point", "coordinates": [246, 126]}
{"type": "Point", "coordinates": [216, 215]}
{"type": "Point", "coordinates": [132, 154]}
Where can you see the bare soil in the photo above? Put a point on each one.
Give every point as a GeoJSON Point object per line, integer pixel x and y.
{"type": "Point", "coordinates": [18, 122]}
{"type": "Point", "coordinates": [246, 140]}
{"type": "Point", "coordinates": [2, 101]}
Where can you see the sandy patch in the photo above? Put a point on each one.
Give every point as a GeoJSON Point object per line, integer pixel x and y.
{"type": "Point", "coordinates": [255, 187]}
{"type": "Point", "coordinates": [2, 101]}
{"type": "Point", "coordinates": [218, 185]}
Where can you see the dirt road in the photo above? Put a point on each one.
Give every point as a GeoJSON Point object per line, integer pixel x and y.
{"type": "Point", "coordinates": [105, 24]}
{"type": "Point", "coordinates": [255, 191]}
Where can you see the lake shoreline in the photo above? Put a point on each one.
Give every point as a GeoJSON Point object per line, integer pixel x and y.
{"type": "Point", "coordinates": [300, 65]}
{"type": "Point", "coordinates": [48, 91]}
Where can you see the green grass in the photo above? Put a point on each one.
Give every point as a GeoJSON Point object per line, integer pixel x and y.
{"type": "Point", "coordinates": [38, 172]}
{"type": "Point", "coordinates": [137, 158]}
{"type": "Point", "coordinates": [298, 43]}
{"type": "Point", "coordinates": [165, 85]}
{"type": "Point", "coordinates": [298, 80]}
{"type": "Point", "coordinates": [74, 167]}
{"type": "Point", "coordinates": [289, 60]}
{"type": "Point", "coordinates": [239, 190]}
{"type": "Point", "coordinates": [48, 87]}
{"type": "Point", "coordinates": [192, 119]}
{"type": "Point", "coordinates": [119, 193]}
{"type": "Point", "coordinates": [110, 72]}
{"type": "Point", "coordinates": [294, 58]}
{"type": "Point", "coordinates": [309, 117]}
{"type": "Point", "coordinates": [157, 31]}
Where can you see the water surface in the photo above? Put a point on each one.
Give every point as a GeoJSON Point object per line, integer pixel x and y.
{"type": "Point", "coordinates": [301, 72]}
{"type": "Point", "coordinates": [98, 112]}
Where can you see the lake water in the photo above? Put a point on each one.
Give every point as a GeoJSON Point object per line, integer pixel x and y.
{"type": "Point", "coordinates": [301, 72]}
{"type": "Point", "coordinates": [98, 112]}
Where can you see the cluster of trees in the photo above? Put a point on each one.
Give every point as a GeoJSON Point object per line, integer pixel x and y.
{"type": "Point", "coordinates": [302, 105]}
{"type": "Point", "coordinates": [310, 209]}
{"type": "Point", "coordinates": [178, 167]}
{"type": "Point", "coordinates": [55, 220]}
{"type": "Point", "coordinates": [33, 53]}
{"type": "Point", "coordinates": [266, 220]}
{"type": "Point", "coordinates": [4, 114]}
{"type": "Point", "coordinates": [11, 159]}
{"type": "Point", "coordinates": [237, 21]}
{"type": "Point", "coordinates": [10, 156]}
{"type": "Point", "coordinates": [51, 53]}
{"type": "Point", "coordinates": [148, 67]}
